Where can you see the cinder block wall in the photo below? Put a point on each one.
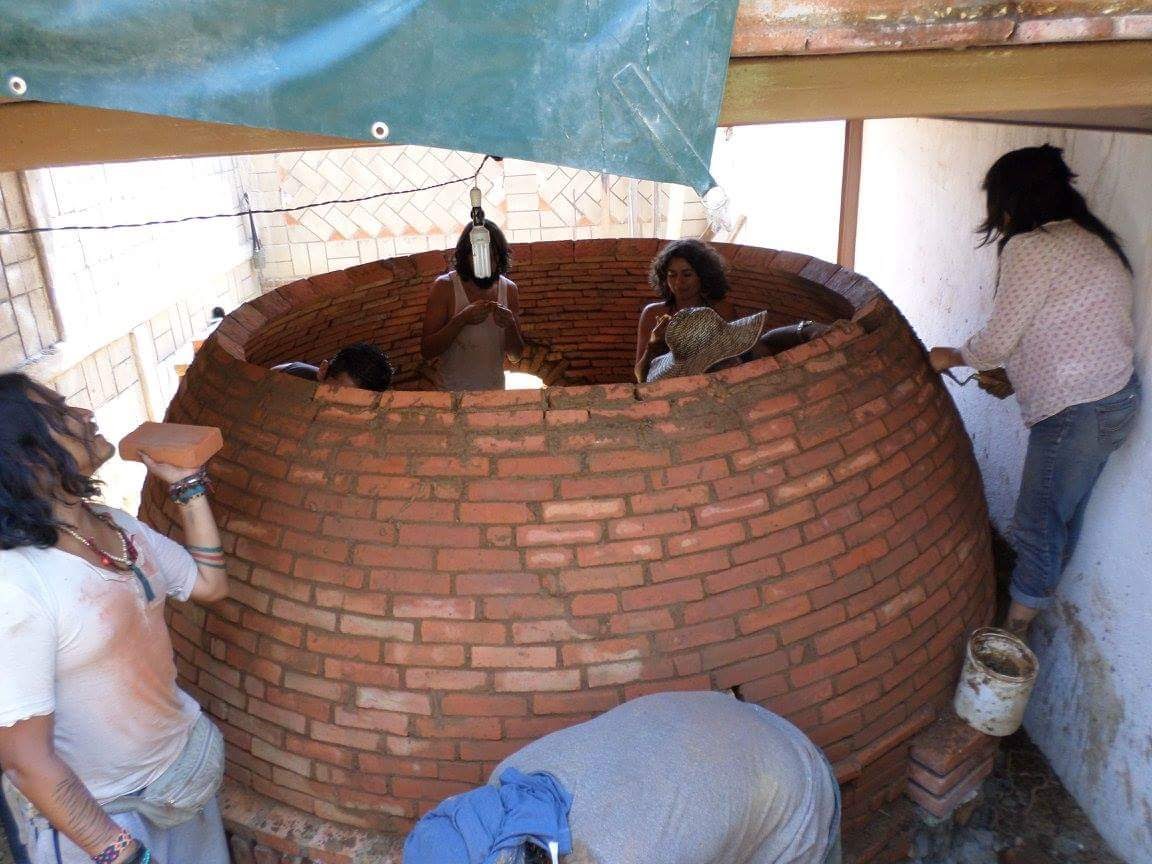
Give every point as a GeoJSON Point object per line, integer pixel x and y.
{"type": "Point", "coordinates": [424, 581]}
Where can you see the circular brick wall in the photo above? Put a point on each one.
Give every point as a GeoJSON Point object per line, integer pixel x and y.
{"type": "Point", "coordinates": [424, 581]}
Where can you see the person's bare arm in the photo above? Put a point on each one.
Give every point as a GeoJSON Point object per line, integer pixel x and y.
{"type": "Point", "coordinates": [508, 317]}
{"type": "Point", "coordinates": [655, 347]}
{"type": "Point", "coordinates": [647, 321]}
{"type": "Point", "coordinates": [944, 357]}
{"type": "Point", "coordinates": [201, 537]}
{"type": "Point", "coordinates": [789, 336]}
{"type": "Point", "coordinates": [441, 327]}
{"type": "Point", "coordinates": [31, 763]}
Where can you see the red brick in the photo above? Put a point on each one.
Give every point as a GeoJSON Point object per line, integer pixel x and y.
{"type": "Point", "coordinates": [513, 658]}
{"type": "Point", "coordinates": [620, 552]}
{"type": "Point", "coordinates": [497, 583]}
{"type": "Point", "coordinates": [605, 651]}
{"type": "Point", "coordinates": [664, 594]}
{"type": "Point", "coordinates": [537, 466]}
{"type": "Point", "coordinates": [433, 607]}
{"type": "Point", "coordinates": [445, 679]}
{"type": "Point", "coordinates": [536, 682]}
{"type": "Point", "coordinates": [552, 630]}
{"type": "Point", "coordinates": [669, 499]}
{"type": "Point", "coordinates": [439, 536]}
{"type": "Point", "coordinates": [825, 667]}
{"type": "Point", "coordinates": [695, 635]}
{"type": "Point", "coordinates": [649, 526]}
{"type": "Point", "coordinates": [812, 553]}
{"type": "Point", "coordinates": [559, 534]}
{"type": "Point", "coordinates": [689, 565]}
{"type": "Point", "coordinates": [641, 622]}
{"type": "Point", "coordinates": [463, 632]}
{"type": "Point", "coordinates": [475, 705]}
{"type": "Point", "coordinates": [721, 605]}
{"type": "Point", "coordinates": [404, 654]}
{"type": "Point", "coordinates": [468, 560]}
{"type": "Point", "coordinates": [611, 577]}
{"type": "Point", "coordinates": [510, 490]}
{"type": "Point", "coordinates": [627, 460]}
{"type": "Point", "coordinates": [706, 538]}
{"type": "Point", "coordinates": [494, 512]}
{"type": "Point", "coordinates": [846, 633]}
{"type": "Point", "coordinates": [686, 475]}
{"type": "Point", "coordinates": [594, 604]}
{"type": "Point", "coordinates": [398, 701]}
{"type": "Point", "coordinates": [589, 508]}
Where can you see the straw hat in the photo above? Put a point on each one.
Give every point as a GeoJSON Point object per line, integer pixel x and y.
{"type": "Point", "coordinates": [698, 339]}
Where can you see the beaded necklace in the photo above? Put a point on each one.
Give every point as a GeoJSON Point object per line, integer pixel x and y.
{"type": "Point", "coordinates": [125, 561]}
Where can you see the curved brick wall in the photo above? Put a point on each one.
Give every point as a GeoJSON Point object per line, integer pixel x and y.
{"type": "Point", "coordinates": [423, 581]}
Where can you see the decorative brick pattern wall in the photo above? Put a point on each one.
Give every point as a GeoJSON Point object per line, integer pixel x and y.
{"type": "Point", "coordinates": [424, 582]}
{"type": "Point", "coordinates": [530, 201]}
{"type": "Point", "coordinates": [27, 324]}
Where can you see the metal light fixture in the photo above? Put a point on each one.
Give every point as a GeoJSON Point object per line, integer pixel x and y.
{"type": "Point", "coordinates": [480, 238]}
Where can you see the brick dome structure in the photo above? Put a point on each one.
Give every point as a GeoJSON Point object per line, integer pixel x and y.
{"type": "Point", "coordinates": [423, 582]}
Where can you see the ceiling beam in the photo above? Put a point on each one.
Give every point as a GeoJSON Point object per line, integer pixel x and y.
{"type": "Point", "coordinates": [976, 81]}
{"type": "Point", "coordinates": [929, 83]}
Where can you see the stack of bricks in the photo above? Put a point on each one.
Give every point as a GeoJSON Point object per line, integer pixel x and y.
{"type": "Point", "coordinates": [423, 582]}
{"type": "Point", "coordinates": [949, 762]}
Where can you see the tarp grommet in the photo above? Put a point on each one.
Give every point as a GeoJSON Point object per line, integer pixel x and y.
{"type": "Point", "coordinates": [380, 130]}
{"type": "Point", "coordinates": [17, 85]}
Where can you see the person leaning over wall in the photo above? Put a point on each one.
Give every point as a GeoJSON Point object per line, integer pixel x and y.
{"type": "Point", "coordinates": [360, 365]}
{"type": "Point", "coordinates": [104, 757]}
{"type": "Point", "coordinates": [1061, 324]}
{"type": "Point", "coordinates": [471, 323]}
{"type": "Point", "coordinates": [669, 778]}
{"type": "Point", "coordinates": [698, 340]}
{"type": "Point", "coordinates": [684, 274]}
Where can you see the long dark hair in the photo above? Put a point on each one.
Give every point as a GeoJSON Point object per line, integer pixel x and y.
{"type": "Point", "coordinates": [1030, 187]}
{"type": "Point", "coordinates": [501, 254]}
{"type": "Point", "coordinates": [34, 468]}
{"type": "Point", "coordinates": [705, 260]}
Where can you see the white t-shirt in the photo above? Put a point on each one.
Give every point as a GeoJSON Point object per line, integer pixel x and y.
{"type": "Point", "coordinates": [81, 643]}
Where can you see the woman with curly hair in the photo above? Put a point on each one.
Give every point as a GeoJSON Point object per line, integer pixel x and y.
{"type": "Point", "coordinates": [685, 273]}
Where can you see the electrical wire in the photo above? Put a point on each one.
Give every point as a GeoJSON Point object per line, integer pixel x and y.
{"type": "Point", "coordinates": [249, 212]}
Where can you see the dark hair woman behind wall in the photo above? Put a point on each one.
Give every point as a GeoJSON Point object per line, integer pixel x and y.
{"type": "Point", "coordinates": [1061, 325]}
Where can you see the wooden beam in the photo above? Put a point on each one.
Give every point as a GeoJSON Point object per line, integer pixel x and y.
{"type": "Point", "coordinates": [850, 193]}
{"type": "Point", "coordinates": [759, 90]}
{"type": "Point", "coordinates": [928, 83]}
{"type": "Point", "coordinates": [39, 134]}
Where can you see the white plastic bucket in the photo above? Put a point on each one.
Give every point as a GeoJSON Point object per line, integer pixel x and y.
{"type": "Point", "coordinates": [996, 681]}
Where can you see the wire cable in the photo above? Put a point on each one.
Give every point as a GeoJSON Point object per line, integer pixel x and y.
{"type": "Point", "coordinates": [249, 212]}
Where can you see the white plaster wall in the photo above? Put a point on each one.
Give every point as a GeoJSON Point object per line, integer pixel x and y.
{"type": "Point", "coordinates": [1091, 711]}
{"type": "Point", "coordinates": [784, 205]}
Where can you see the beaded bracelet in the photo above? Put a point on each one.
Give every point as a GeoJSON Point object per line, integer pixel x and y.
{"type": "Point", "coordinates": [190, 487]}
{"type": "Point", "coordinates": [112, 852]}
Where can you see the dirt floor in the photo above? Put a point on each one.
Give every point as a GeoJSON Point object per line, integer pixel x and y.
{"type": "Point", "coordinates": [1025, 816]}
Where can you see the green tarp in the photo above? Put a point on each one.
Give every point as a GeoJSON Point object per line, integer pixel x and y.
{"type": "Point", "coordinates": [623, 86]}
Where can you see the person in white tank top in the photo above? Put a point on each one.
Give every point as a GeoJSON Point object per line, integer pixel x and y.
{"type": "Point", "coordinates": [470, 324]}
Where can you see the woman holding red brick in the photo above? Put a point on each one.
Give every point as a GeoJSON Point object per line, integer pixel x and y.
{"type": "Point", "coordinates": [104, 757]}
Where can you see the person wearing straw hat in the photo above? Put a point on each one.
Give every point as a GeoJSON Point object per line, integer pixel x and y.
{"type": "Point", "coordinates": [700, 340]}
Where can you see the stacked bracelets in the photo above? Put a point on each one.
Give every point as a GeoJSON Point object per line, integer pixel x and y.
{"type": "Point", "coordinates": [123, 840]}
{"type": "Point", "coordinates": [191, 487]}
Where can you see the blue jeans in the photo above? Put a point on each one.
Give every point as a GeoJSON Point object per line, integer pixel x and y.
{"type": "Point", "coordinates": [1066, 454]}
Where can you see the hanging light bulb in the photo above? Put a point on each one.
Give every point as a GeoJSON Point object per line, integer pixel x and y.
{"type": "Point", "coordinates": [480, 238]}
